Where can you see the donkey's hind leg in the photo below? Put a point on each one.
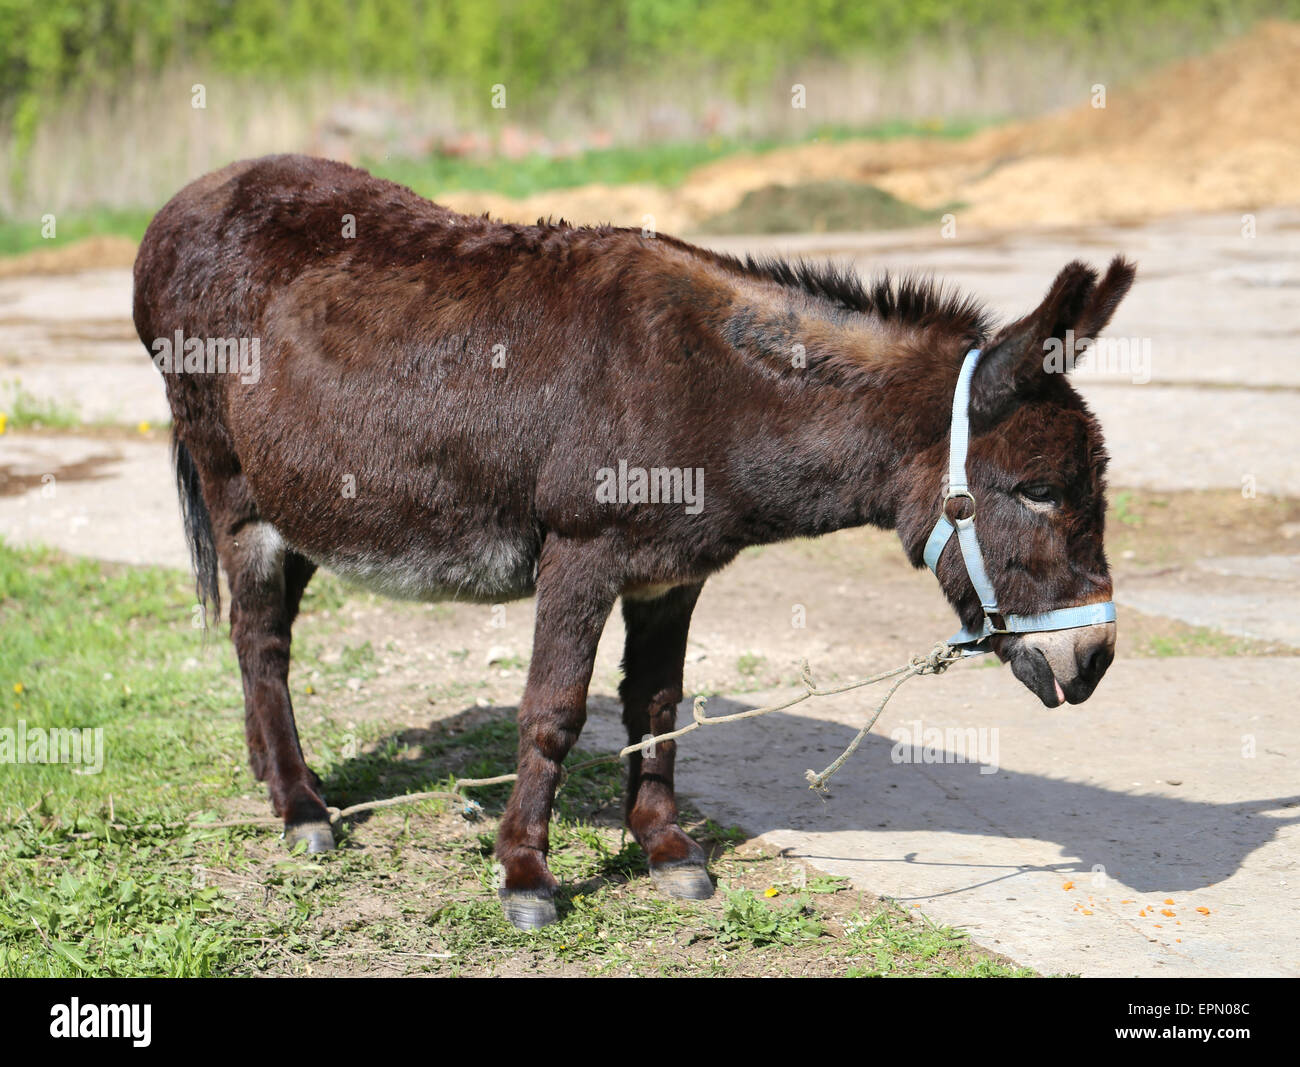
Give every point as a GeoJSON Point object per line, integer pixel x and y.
{"type": "Point", "coordinates": [267, 581]}
{"type": "Point", "coordinates": [653, 658]}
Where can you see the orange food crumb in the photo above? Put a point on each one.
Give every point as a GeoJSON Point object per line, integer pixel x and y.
{"type": "Point", "coordinates": [1204, 911]}
{"type": "Point", "coordinates": [1167, 912]}
{"type": "Point", "coordinates": [1142, 914]}
{"type": "Point", "coordinates": [1086, 911]}
{"type": "Point", "coordinates": [1169, 900]}
{"type": "Point", "coordinates": [1158, 926]}
{"type": "Point", "coordinates": [1068, 885]}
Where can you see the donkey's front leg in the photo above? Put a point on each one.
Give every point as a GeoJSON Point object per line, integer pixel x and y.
{"type": "Point", "coordinates": [653, 659]}
{"type": "Point", "coordinates": [574, 597]}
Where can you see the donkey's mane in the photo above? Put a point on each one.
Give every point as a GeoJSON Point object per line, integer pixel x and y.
{"type": "Point", "coordinates": [908, 300]}
{"type": "Point", "coordinates": [915, 300]}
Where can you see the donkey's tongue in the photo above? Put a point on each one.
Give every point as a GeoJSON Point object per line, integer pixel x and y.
{"type": "Point", "coordinates": [1060, 693]}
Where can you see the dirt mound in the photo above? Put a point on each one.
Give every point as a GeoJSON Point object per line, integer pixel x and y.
{"type": "Point", "coordinates": [816, 207]}
{"type": "Point", "coordinates": [1213, 133]}
{"type": "Point", "coordinates": [1245, 94]}
{"type": "Point", "coordinates": [93, 253]}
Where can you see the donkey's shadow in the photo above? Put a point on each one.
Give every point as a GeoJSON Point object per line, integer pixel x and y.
{"type": "Point", "coordinates": [475, 742]}
{"type": "Point", "coordinates": [753, 776]}
{"type": "Point", "coordinates": [481, 742]}
{"type": "Point", "coordinates": [1143, 840]}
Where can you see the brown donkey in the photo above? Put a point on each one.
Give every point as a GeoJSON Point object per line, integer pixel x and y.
{"type": "Point", "coordinates": [440, 406]}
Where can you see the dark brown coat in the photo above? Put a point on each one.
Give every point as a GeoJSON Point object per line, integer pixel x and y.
{"type": "Point", "coordinates": [438, 396]}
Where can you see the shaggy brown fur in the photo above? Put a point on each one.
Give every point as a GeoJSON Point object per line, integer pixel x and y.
{"type": "Point", "coordinates": [437, 396]}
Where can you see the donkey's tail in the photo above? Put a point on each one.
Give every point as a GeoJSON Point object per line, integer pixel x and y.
{"type": "Point", "coordinates": [198, 530]}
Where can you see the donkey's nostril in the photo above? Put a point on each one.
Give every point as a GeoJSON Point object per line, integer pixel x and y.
{"type": "Point", "coordinates": [1095, 660]}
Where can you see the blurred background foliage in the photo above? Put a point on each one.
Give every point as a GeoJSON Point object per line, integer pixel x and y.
{"type": "Point", "coordinates": [51, 46]}
{"type": "Point", "coordinates": [96, 115]}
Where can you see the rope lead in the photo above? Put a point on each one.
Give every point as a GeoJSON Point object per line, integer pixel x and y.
{"type": "Point", "coordinates": [936, 661]}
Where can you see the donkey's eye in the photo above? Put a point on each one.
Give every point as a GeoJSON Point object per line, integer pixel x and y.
{"type": "Point", "coordinates": [1039, 493]}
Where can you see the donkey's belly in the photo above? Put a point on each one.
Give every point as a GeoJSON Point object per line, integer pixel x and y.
{"type": "Point", "coordinates": [498, 570]}
{"type": "Point", "coordinates": [409, 504]}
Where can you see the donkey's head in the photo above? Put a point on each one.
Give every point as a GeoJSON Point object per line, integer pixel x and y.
{"type": "Point", "coordinates": [1036, 467]}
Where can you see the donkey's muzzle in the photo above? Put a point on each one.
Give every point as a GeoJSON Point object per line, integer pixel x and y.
{"type": "Point", "coordinates": [1064, 666]}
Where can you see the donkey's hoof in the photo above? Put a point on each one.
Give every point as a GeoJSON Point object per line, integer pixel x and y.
{"type": "Point", "coordinates": [318, 835]}
{"type": "Point", "coordinates": [685, 881]}
{"type": "Point", "coordinates": [527, 910]}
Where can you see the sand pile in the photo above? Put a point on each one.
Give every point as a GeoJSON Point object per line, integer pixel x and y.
{"type": "Point", "coordinates": [1213, 133]}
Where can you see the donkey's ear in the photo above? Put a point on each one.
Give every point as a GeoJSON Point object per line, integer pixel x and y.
{"type": "Point", "coordinates": [1013, 362]}
{"type": "Point", "coordinates": [1105, 298]}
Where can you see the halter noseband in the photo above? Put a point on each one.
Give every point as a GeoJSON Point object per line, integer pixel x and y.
{"type": "Point", "coordinates": [971, 643]}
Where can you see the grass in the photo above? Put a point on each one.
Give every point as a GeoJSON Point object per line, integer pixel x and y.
{"type": "Point", "coordinates": [921, 949]}
{"type": "Point", "coordinates": [87, 646]}
{"type": "Point", "coordinates": [21, 410]}
{"type": "Point", "coordinates": [18, 235]}
{"type": "Point", "coordinates": [749, 919]}
{"type": "Point", "coordinates": [1182, 639]}
{"type": "Point", "coordinates": [104, 875]}
{"type": "Point", "coordinates": [1122, 506]}
{"type": "Point", "coordinates": [664, 164]}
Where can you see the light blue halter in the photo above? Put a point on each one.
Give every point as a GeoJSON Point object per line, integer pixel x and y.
{"type": "Point", "coordinates": [972, 643]}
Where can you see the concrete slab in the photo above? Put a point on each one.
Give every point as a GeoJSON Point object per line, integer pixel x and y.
{"type": "Point", "coordinates": [1178, 781]}
{"type": "Point", "coordinates": [1164, 437]}
{"type": "Point", "coordinates": [1261, 614]}
{"type": "Point", "coordinates": [1248, 596]}
{"type": "Point", "coordinates": [1217, 306]}
{"type": "Point", "coordinates": [1274, 568]}
{"type": "Point", "coordinates": [69, 339]}
{"type": "Point", "coordinates": [106, 498]}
